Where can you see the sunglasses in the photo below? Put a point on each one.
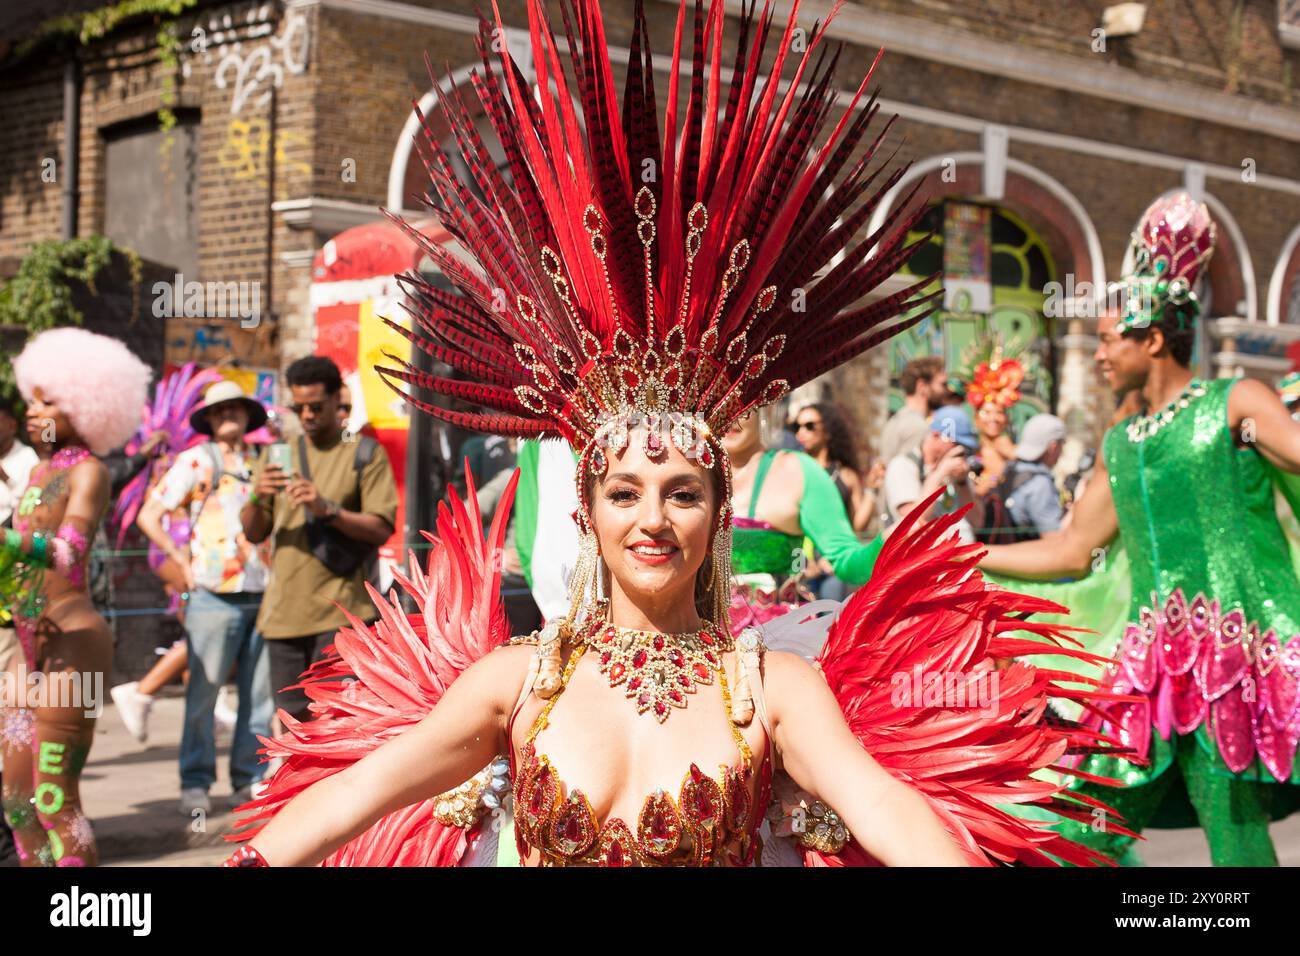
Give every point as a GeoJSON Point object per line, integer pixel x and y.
{"type": "Point", "coordinates": [807, 426]}
{"type": "Point", "coordinates": [316, 407]}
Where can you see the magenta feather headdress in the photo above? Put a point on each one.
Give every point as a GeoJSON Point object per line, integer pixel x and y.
{"type": "Point", "coordinates": [175, 399]}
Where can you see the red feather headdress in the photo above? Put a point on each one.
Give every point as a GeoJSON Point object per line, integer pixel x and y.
{"type": "Point", "coordinates": [620, 279]}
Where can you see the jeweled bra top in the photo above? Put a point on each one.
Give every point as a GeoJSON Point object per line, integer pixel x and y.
{"type": "Point", "coordinates": [712, 822]}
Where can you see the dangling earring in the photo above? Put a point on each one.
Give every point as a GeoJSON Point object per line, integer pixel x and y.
{"type": "Point", "coordinates": [720, 582]}
{"type": "Point", "coordinates": [713, 572]}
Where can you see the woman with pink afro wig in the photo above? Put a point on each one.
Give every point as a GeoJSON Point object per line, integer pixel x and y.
{"type": "Point", "coordinates": [84, 393]}
{"type": "Point", "coordinates": [94, 380]}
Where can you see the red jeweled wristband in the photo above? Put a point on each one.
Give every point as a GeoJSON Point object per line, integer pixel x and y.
{"type": "Point", "coordinates": [246, 856]}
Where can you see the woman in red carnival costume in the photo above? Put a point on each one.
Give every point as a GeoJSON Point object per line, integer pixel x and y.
{"type": "Point", "coordinates": [640, 320]}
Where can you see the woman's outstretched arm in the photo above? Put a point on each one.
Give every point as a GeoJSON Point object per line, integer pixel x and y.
{"type": "Point", "coordinates": [455, 741]}
{"type": "Point", "coordinates": [889, 819]}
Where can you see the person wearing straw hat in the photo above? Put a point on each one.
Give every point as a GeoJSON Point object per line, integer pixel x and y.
{"type": "Point", "coordinates": [225, 576]}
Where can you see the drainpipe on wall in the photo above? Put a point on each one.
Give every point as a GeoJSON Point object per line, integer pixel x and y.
{"type": "Point", "coordinates": [71, 144]}
{"type": "Point", "coordinates": [272, 117]}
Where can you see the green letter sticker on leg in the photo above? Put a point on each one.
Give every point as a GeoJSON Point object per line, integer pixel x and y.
{"type": "Point", "coordinates": [49, 798]}
{"type": "Point", "coordinates": [51, 757]}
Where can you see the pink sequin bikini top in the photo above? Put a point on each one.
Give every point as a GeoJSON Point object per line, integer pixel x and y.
{"type": "Point", "coordinates": [711, 822]}
{"type": "Point", "coordinates": [68, 548]}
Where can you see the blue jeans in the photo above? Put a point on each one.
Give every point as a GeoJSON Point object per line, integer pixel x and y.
{"type": "Point", "coordinates": [220, 632]}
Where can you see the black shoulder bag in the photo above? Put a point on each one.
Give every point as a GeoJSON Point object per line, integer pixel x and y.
{"type": "Point", "coordinates": [339, 553]}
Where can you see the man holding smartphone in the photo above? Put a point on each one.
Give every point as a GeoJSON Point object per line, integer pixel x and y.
{"type": "Point", "coordinates": [327, 503]}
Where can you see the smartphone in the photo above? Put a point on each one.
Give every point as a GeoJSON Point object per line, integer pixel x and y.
{"type": "Point", "coordinates": [280, 454]}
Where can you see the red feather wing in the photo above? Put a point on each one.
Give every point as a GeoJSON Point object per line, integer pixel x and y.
{"type": "Point", "coordinates": [911, 660]}
{"type": "Point", "coordinates": [383, 678]}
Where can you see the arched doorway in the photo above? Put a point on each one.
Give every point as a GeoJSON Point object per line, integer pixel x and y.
{"type": "Point", "coordinates": [995, 269]}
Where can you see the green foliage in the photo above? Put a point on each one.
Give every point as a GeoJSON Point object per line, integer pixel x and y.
{"type": "Point", "coordinates": [39, 297]}
{"type": "Point", "coordinates": [92, 25]}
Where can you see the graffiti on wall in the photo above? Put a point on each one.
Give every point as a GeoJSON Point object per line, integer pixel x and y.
{"type": "Point", "coordinates": [252, 69]}
{"type": "Point", "coordinates": [243, 153]}
{"type": "Point", "coordinates": [212, 341]}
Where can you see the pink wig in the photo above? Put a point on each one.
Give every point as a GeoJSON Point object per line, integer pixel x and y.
{"type": "Point", "coordinates": [93, 379]}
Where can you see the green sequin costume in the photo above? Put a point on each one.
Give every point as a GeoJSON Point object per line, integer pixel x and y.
{"type": "Point", "coordinates": [758, 548]}
{"type": "Point", "coordinates": [1214, 607]}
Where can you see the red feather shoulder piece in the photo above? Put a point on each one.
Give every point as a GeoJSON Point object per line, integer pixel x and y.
{"type": "Point", "coordinates": [913, 660]}
{"type": "Point", "coordinates": [383, 678]}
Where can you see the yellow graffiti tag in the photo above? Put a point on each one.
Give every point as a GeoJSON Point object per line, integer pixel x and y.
{"type": "Point", "coordinates": [243, 154]}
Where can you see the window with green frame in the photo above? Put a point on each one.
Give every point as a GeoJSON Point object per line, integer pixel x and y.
{"type": "Point", "coordinates": [1021, 266]}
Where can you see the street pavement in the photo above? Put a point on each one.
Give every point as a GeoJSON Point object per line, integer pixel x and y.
{"type": "Point", "coordinates": [131, 793]}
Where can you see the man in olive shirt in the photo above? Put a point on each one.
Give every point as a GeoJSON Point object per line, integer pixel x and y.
{"type": "Point", "coordinates": [345, 485]}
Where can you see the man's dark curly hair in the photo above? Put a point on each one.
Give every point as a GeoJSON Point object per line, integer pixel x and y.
{"type": "Point", "coordinates": [315, 370]}
{"type": "Point", "coordinates": [1180, 334]}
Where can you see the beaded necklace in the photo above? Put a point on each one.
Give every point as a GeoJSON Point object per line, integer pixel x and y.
{"type": "Point", "coordinates": [1143, 427]}
{"type": "Point", "coordinates": [658, 670]}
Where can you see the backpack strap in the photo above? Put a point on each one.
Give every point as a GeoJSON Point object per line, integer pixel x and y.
{"type": "Point", "coordinates": [365, 453]}
{"type": "Point", "coordinates": [218, 471]}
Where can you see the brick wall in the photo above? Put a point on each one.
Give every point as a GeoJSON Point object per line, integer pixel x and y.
{"type": "Point", "coordinates": [348, 79]}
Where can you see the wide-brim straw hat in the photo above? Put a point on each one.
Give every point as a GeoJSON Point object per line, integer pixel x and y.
{"type": "Point", "coordinates": [219, 394]}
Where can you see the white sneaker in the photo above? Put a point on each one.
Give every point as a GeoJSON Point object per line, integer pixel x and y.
{"type": "Point", "coordinates": [224, 715]}
{"type": "Point", "coordinates": [194, 799]}
{"type": "Point", "coordinates": [133, 707]}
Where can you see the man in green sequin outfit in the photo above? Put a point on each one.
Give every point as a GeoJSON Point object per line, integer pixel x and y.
{"type": "Point", "coordinates": [1210, 655]}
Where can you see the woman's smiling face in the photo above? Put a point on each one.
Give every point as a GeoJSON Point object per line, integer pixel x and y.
{"type": "Point", "coordinates": [654, 522]}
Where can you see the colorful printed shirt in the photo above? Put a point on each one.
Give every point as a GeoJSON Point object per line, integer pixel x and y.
{"type": "Point", "coordinates": [223, 560]}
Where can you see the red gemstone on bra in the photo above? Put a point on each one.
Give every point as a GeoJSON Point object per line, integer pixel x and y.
{"type": "Point", "coordinates": [616, 671]}
{"type": "Point", "coordinates": [706, 637]}
{"type": "Point", "coordinates": [639, 658]}
{"type": "Point", "coordinates": [677, 659]}
{"type": "Point", "coordinates": [658, 826]}
{"type": "Point", "coordinates": [676, 695]}
{"type": "Point", "coordinates": [644, 699]}
{"type": "Point", "coordinates": [537, 799]}
{"type": "Point", "coordinates": [660, 708]}
{"type": "Point", "coordinates": [659, 642]}
{"type": "Point", "coordinates": [614, 856]}
{"type": "Point", "coordinates": [683, 680]}
{"type": "Point", "coordinates": [701, 671]}
{"type": "Point", "coordinates": [609, 636]}
{"type": "Point", "coordinates": [634, 683]}
{"type": "Point", "coordinates": [710, 657]}
{"type": "Point", "coordinates": [604, 658]}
